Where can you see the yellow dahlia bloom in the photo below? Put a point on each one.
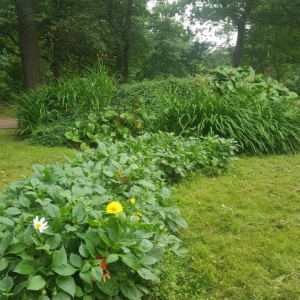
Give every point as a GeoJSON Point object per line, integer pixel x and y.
{"type": "Point", "coordinates": [114, 208]}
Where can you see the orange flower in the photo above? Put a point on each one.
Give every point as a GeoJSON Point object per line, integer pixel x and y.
{"type": "Point", "coordinates": [105, 276]}
{"type": "Point", "coordinates": [103, 266]}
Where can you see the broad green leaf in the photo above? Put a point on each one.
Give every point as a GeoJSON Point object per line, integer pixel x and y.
{"type": "Point", "coordinates": [7, 221]}
{"type": "Point", "coordinates": [59, 258]}
{"type": "Point", "coordinates": [145, 245]}
{"type": "Point", "coordinates": [78, 213]}
{"type": "Point", "coordinates": [17, 248]}
{"type": "Point", "coordinates": [24, 201]}
{"type": "Point", "coordinates": [65, 270]}
{"type": "Point", "coordinates": [54, 241]}
{"type": "Point", "coordinates": [97, 273]}
{"type": "Point", "coordinates": [67, 284]}
{"type": "Point", "coordinates": [3, 263]}
{"type": "Point", "coordinates": [180, 222]}
{"type": "Point", "coordinates": [108, 173]}
{"type": "Point", "coordinates": [19, 287]}
{"type": "Point", "coordinates": [148, 260]}
{"type": "Point", "coordinates": [86, 277]}
{"type": "Point", "coordinates": [79, 293]}
{"type": "Point", "coordinates": [70, 228]}
{"type": "Point", "coordinates": [13, 211]}
{"type": "Point", "coordinates": [100, 190]}
{"type": "Point", "coordinates": [61, 296]}
{"type": "Point", "coordinates": [6, 284]}
{"type": "Point", "coordinates": [131, 261]}
{"type": "Point", "coordinates": [5, 242]}
{"type": "Point", "coordinates": [86, 266]}
{"type": "Point", "coordinates": [52, 211]}
{"type": "Point", "coordinates": [75, 260]}
{"type": "Point", "coordinates": [36, 283]}
{"type": "Point", "coordinates": [146, 274]}
{"type": "Point", "coordinates": [131, 292]}
{"type": "Point", "coordinates": [146, 184]}
{"type": "Point", "coordinates": [24, 267]}
{"type": "Point", "coordinates": [110, 287]}
{"type": "Point", "coordinates": [112, 258]}
{"type": "Point", "coordinates": [156, 252]}
{"type": "Point", "coordinates": [83, 250]}
{"type": "Point", "coordinates": [104, 238]}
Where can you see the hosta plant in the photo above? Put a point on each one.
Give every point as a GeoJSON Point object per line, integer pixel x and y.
{"type": "Point", "coordinates": [95, 228]}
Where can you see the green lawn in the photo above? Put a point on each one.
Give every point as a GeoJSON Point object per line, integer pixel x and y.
{"type": "Point", "coordinates": [243, 235]}
{"type": "Point", "coordinates": [17, 157]}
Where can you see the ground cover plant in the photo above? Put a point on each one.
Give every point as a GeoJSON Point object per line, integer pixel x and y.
{"type": "Point", "coordinates": [98, 227]}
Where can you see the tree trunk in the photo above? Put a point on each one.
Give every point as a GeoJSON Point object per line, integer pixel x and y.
{"type": "Point", "coordinates": [55, 39]}
{"type": "Point", "coordinates": [237, 55]}
{"type": "Point", "coordinates": [127, 32]}
{"type": "Point", "coordinates": [28, 43]}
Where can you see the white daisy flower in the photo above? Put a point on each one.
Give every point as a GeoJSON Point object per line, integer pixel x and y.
{"type": "Point", "coordinates": [41, 224]}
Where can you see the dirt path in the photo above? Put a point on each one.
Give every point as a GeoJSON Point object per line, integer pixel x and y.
{"type": "Point", "coordinates": [8, 124]}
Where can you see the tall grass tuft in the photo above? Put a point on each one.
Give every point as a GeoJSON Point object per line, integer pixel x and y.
{"type": "Point", "coordinates": [262, 118]}
{"type": "Point", "coordinates": [67, 96]}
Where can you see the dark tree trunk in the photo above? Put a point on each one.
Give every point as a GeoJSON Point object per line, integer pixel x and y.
{"type": "Point", "coordinates": [237, 55]}
{"type": "Point", "coordinates": [127, 33]}
{"type": "Point", "coordinates": [116, 30]}
{"type": "Point", "coordinates": [55, 39]}
{"type": "Point", "coordinates": [28, 43]}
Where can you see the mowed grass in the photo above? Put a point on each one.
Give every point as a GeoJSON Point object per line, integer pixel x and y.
{"type": "Point", "coordinates": [17, 157]}
{"type": "Point", "coordinates": [243, 236]}
{"type": "Point", "coordinates": [244, 227]}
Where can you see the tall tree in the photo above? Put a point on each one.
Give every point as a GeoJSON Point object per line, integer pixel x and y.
{"type": "Point", "coordinates": [238, 11]}
{"type": "Point", "coordinates": [29, 45]}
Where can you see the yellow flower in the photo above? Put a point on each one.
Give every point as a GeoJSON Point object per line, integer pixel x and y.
{"type": "Point", "coordinates": [132, 201]}
{"type": "Point", "coordinates": [139, 215]}
{"type": "Point", "coordinates": [114, 208]}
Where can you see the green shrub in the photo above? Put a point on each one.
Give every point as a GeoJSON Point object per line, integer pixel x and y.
{"type": "Point", "coordinates": [109, 220]}
{"type": "Point", "coordinates": [68, 96]}
{"type": "Point", "coordinates": [148, 99]}
{"type": "Point", "coordinates": [107, 123]}
{"type": "Point", "coordinates": [177, 156]}
{"type": "Point", "coordinates": [50, 135]}
{"type": "Point", "coordinates": [262, 116]}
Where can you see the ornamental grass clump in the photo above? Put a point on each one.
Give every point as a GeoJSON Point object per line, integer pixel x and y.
{"type": "Point", "coordinates": [95, 228]}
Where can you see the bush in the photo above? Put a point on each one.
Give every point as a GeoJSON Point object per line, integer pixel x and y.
{"type": "Point", "coordinates": [177, 156]}
{"type": "Point", "coordinates": [68, 96]}
{"type": "Point", "coordinates": [108, 220]}
{"type": "Point", "coordinates": [261, 115]}
{"type": "Point", "coordinates": [50, 135]}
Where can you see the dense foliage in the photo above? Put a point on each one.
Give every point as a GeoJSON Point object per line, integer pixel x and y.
{"type": "Point", "coordinates": [259, 113]}
{"type": "Point", "coordinates": [109, 219]}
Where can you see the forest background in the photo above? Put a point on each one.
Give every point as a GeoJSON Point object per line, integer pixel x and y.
{"type": "Point", "coordinates": [41, 41]}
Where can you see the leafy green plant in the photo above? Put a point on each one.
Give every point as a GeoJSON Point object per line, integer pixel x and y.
{"type": "Point", "coordinates": [262, 117]}
{"type": "Point", "coordinates": [46, 104]}
{"type": "Point", "coordinates": [175, 157]}
{"type": "Point", "coordinates": [50, 135]}
{"type": "Point", "coordinates": [94, 228]}
{"type": "Point", "coordinates": [107, 123]}
{"type": "Point", "coordinates": [226, 79]}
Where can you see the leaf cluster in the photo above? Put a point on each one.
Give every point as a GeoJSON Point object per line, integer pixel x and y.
{"type": "Point", "coordinates": [83, 242]}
